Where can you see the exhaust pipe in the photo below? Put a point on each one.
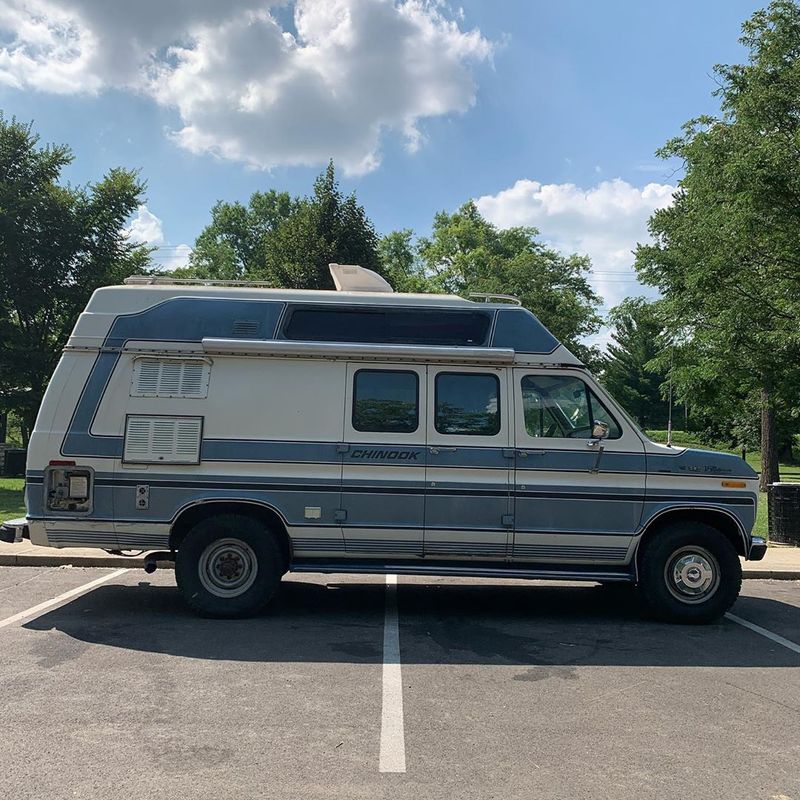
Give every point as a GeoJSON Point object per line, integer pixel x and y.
{"type": "Point", "coordinates": [151, 560]}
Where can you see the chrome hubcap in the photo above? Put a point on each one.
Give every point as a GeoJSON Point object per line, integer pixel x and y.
{"type": "Point", "coordinates": [228, 567]}
{"type": "Point", "coordinates": [692, 574]}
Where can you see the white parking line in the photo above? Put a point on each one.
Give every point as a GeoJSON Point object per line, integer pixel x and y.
{"type": "Point", "coordinates": [393, 740]}
{"type": "Point", "coordinates": [62, 598]}
{"type": "Point", "coordinates": [764, 632]}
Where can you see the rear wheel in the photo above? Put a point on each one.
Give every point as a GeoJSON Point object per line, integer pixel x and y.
{"type": "Point", "coordinates": [228, 565]}
{"type": "Point", "coordinates": [689, 572]}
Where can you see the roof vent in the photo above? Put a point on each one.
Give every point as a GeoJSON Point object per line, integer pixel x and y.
{"type": "Point", "coordinates": [352, 278]}
{"type": "Point", "coordinates": [247, 328]}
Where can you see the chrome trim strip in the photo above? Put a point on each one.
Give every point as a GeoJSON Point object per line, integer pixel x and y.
{"type": "Point", "coordinates": [262, 347]}
{"type": "Point", "coordinates": [467, 571]}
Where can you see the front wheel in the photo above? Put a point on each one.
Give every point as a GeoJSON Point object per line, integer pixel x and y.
{"type": "Point", "coordinates": [229, 565]}
{"type": "Point", "coordinates": [689, 572]}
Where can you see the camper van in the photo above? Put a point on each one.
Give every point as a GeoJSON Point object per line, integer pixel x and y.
{"type": "Point", "coordinates": [244, 432]}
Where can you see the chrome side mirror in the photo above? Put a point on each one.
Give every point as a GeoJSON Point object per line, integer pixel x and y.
{"type": "Point", "coordinates": [600, 430]}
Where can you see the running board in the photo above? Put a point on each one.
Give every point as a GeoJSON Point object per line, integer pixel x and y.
{"type": "Point", "coordinates": [465, 570]}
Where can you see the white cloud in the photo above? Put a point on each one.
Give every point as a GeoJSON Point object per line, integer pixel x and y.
{"type": "Point", "coordinates": [604, 222]}
{"type": "Point", "coordinates": [147, 228]}
{"type": "Point", "coordinates": [171, 258]}
{"type": "Point", "coordinates": [247, 88]}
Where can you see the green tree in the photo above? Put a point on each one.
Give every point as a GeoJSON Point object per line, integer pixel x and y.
{"type": "Point", "coordinates": [286, 241]}
{"type": "Point", "coordinates": [235, 245]}
{"type": "Point", "coordinates": [637, 337]}
{"type": "Point", "coordinates": [58, 243]}
{"type": "Point", "coordinates": [726, 255]}
{"type": "Point", "coordinates": [326, 227]}
{"type": "Point", "coordinates": [401, 264]}
{"type": "Point", "coordinates": [466, 253]}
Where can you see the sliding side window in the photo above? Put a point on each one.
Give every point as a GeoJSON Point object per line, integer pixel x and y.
{"type": "Point", "coordinates": [467, 403]}
{"type": "Point", "coordinates": [385, 401]}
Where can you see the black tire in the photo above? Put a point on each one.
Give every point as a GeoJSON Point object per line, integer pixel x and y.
{"type": "Point", "coordinates": [228, 566]}
{"type": "Point", "coordinates": [689, 572]}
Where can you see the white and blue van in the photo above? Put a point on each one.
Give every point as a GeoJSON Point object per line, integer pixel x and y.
{"type": "Point", "coordinates": [245, 432]}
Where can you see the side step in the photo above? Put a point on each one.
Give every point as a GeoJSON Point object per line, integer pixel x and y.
{"type": "Point", "coordinates": [469, 569]}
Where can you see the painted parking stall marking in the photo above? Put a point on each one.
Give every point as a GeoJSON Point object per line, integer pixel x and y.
{"type": "Point", "coordinates": [34, 611]}
{"type": "Point", "coordinates": [787, 643]}
{"type": "Point", "coordinates": [393, 744]}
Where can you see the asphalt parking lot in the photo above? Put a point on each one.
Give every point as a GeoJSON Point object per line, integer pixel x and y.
{"type": "Point", "coordinates": [501, 690]}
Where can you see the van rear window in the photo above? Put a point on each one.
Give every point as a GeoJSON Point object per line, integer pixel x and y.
{"type": "Point", "coordinates": [389, 326]}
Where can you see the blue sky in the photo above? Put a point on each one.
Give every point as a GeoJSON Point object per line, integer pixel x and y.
{"type": "Point", "coordinates": [550, 113]}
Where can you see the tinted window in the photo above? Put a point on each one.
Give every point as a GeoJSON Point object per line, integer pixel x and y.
{"type": "Point", "coordinates": [389, 326]}
{"type": "Point", "coordinates": [385, 401]}
{"type": "Point", "coordinates": [518, 329]}
{"type": "Point", "coordinates": [563, 407]}
{"type": "Point", "coordinates": [467, 404]}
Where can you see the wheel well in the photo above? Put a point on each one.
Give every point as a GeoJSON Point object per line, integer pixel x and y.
{"type": "Point", "coordinates": [189, 517]}
{"type": "Point", "coordinates": [719, 520]}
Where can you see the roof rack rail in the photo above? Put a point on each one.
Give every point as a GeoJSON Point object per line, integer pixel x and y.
{"type": "Point", "coordinates": [488, 297]}
{"type": "Point", "coordinates": [161, 280]}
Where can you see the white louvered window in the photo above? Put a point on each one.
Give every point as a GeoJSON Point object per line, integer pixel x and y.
{"type": "Point", "coordinates": [154, 377]}
{"type": "Point", "coordinates": [162, 440]}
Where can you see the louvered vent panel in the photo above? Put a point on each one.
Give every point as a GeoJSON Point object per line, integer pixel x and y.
{"type": "Point", "coordinates": [170, 378]}
{"type": "Point", "coordinates": [163, 440]}
{"type": "Point", "coordinates": [246, 327]}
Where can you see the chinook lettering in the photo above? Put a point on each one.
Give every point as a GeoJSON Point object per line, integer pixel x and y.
{"type": "Point", "coordinates": [389, 455]}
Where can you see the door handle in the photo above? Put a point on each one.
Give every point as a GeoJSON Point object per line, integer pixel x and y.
{"type": "Point", "coordinates": [437, 450]}
{"type": "Point", "coordinates": [526, 453]}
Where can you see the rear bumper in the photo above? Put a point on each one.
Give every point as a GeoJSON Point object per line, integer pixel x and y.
{"type": "Point", "coordinates": [15, 530]}
{"type": "Point", "coordinates": [758, 548]}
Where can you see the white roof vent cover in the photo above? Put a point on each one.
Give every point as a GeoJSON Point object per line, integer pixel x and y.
{"type": "Point", "coordinates": [352, 278]}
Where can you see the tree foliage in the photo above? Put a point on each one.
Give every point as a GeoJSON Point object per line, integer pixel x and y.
{"type": "Point", "coordinates": [58, 243]}
{"type": "Point", "coordinates": [726, 255]}
{"type": "Point", "coordinates": [637, 338]}
{"type": "Point", "coordinates": [286, 241]}
{"type": "Point", "coordinates": [466, 253]}
{"type": "Point", "coordinates": [235, 245]}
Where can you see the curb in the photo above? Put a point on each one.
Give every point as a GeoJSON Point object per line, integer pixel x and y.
{"type": "Point", "coordinates": [772, 574]}
{"type": "Point", "coordinates": [137, 562]}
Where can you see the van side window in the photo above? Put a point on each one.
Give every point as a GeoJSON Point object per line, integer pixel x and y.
{"type": "Point", "coordinates": [389, 326]}
{"type": "Point", "coordinates": [467, 403]}
{"type": "Point", "coordinates": [563, 407]}
{"type": "Point", "coordinates": [385, 401]}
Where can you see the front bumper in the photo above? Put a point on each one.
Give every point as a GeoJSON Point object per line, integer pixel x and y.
{"type": "Point", "coordinates": [15, 530]}
{"type": "Point", "coordinates": [758, 548]}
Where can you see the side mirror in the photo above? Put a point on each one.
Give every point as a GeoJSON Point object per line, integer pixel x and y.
{"type": "Point", "coordinates": [600, 430]}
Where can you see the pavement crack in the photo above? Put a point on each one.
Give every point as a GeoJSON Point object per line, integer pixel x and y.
{"type": "Point", "coordinates": [761, 696]}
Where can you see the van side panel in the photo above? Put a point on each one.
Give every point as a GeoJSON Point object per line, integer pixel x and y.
{"type": "Point", "coordinates": [272, 430]}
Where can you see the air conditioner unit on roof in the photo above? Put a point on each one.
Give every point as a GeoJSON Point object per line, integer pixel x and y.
{"type": "Point", "coordinates": [352, 278]}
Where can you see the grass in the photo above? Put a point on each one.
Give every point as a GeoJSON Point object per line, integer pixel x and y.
{"type": "Point", "coordinates": [12, 502]}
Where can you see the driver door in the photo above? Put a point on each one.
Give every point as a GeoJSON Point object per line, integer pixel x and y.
{"type": "Point", "coordinates": [577, 499]}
